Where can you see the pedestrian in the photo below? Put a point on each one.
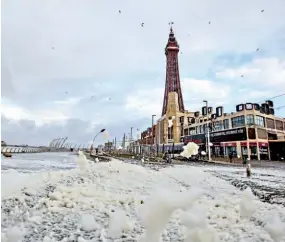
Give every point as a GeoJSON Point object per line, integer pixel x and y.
{"type": "Point", "coordinates": [248, 170]}
{"type": "Point", "coordinates": [164, 156]}
{"type": "Point", "coordinates": [231, 157]}
{"type": "Point", "coordinates": [169, 157]}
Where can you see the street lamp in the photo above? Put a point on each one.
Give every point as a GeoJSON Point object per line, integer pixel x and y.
{"type": "Point", "coordinates": [131, 139]}
{"type": "Point", "coordinates": [208, 131]}
{"type": "Point", "coordinates": [101, 131]}
{"type": "Point", "coordinates": [152, 137]}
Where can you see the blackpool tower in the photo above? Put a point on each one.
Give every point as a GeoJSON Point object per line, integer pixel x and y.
{"type": "Point", "coordinates": [172, 82]}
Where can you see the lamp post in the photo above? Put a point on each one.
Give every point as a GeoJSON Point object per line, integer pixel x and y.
{"type": "Point", "coordinates": [131, 138]}
{"type": "Point", "coordinates": [101, 131]}
{"type": "Point", "coordinates": [208, 131]}
{"type": "Point", "coordinates": [152, 137]}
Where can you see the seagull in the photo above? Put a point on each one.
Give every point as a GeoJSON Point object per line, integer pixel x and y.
{"type": "Point", "coordinates": [109, 98]}
{"type": "Point", "coordinates": [241, 76]}
{"type": "Point", "coordinates": [262, 10]}
{"type": "Point", "coordinates": [210, 22]}
{"type": "Point", "coordinates": [142, 24]}
{"type": "Point", "coordinates": [65, 92]}
{"type": "Point", "coordinates": [257, 49]}
{"type": "Point", "coordinates": [119, 11]}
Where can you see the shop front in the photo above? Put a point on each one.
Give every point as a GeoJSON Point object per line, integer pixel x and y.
{"type": "Point", "coordinates": [224, 142]}
{"type": "Point", "coordinates": [229, 148]}
{"type": "Point", "coordinates": [253, 152]}
{"type": "Point", "coordinates": [263, 150]}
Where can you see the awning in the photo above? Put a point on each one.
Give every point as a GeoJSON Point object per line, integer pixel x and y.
{"type": "Point", "coordinates": [250, 144]}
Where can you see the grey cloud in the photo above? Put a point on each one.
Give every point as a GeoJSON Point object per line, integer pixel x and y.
{"type": "Point", "coordinates": [86, 48]}
{"type": "Point", "coordinates": [78, 131]}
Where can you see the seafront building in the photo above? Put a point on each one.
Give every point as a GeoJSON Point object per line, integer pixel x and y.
{"type": "Point", "coordinates": [252, 131]}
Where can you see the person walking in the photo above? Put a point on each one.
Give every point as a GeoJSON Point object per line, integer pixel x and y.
{"type": "Point", "coordinates": [231, 156]}
{"type": "Point", "coordinates": [248, 170]}
{"type": "Point", "coordinates": [169, 157]}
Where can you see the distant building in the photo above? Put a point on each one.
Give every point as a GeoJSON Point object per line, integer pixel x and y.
{"type": "Point", "coordinates": [108, 146]}
{"type": "Point", "coordinates": [3, 143]}
{"type": "Point", "coordinates": [248, 132]}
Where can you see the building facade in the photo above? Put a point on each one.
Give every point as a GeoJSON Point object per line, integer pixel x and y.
{"type": "Point", "coordinates": [246, 132]}
{"type": "Point", "coordinates": [148, 136]}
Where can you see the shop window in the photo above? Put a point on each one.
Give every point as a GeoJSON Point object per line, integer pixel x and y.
{"type": "Point", "coordinates": [253, 152]}
{"type": "Point", "coordinates": [238, 121]}
{"type": "Point", "coordinates": [250, 119]}
{"type": "Point", "coordinates": [226, 124]}
{"type": "Point", "coordinates": [259, 121]}
{"type": "Point", "coordinates": [231, 149]}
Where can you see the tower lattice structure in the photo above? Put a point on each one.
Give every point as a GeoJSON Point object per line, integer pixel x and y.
{"type": "Point", "coordinates": [172, 82]}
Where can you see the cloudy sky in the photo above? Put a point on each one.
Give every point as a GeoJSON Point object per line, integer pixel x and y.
{"type": "Point", "coordinates": [70, 67]}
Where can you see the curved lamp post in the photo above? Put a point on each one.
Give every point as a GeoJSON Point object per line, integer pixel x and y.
{"type": "Point", "coordinates": [101, 131]}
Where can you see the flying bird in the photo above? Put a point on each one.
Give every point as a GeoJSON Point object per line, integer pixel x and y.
{"type": "Point", "coordinates": [262, 10]}
{"type": "Point", "coordinates": [241, 76]}
{"type": "Point", "coordinates": [210, 22]}
{"type": "Point", "coordinates": [119, 11]}
{"type": "Point", "coordinates": [65, 92]}
{"type": "Point", "coordinates": [257, 49]}
{"type": "Point", "coordinates": [142, 24]}
{"type": "Point", "coordinates": [52, 48]}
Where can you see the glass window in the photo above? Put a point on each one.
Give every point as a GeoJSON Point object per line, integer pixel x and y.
{"type": "Point", "coordinates": [219, 125]}
{"type": "Point", "coordinates": [186, 131]}
{"type": "Point", "coordinates": [249, 119]}
{"type": "Point", "coordinates": [270, 123]}
{"type": "Point", "coordinates": [238, 121]}
{"type": "Point", "coordinates": [204, 128]}
{"type": "Point", "coordinates": [192, 131]}
{"type": "Point", "coordinates": [279, 124]}
{"type": "Point", "coordinates": [226, 124]}
{"type": "Point", "coordinates": [259, 121]}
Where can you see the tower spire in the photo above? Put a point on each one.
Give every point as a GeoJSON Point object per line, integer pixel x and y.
{"type": "Point", "coordinates": [172, 82]}
{"type": "Point", "coordinates": [171, 23]}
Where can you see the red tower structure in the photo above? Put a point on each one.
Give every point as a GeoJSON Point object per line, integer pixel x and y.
{"type": "Point", "coordinates": [172, 82]}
